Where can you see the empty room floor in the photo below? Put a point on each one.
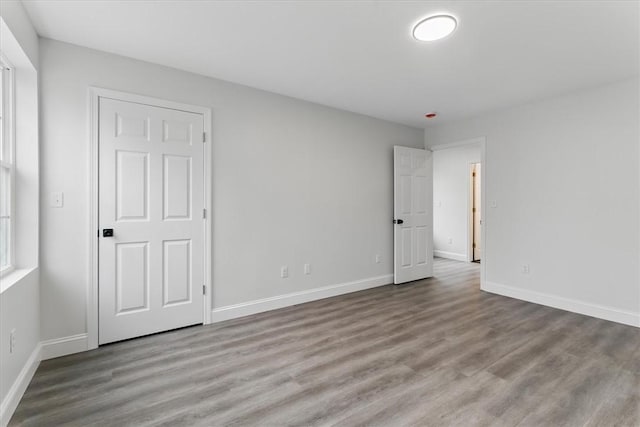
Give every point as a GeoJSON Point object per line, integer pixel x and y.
{"type": "Point", "coordinates": [433, 352]}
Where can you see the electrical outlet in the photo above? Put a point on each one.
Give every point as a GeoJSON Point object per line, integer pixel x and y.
{"type": "Point", "coordinates": [450, 240]}
{"type": "Point", "coordinates": [378, 259]}
{"type": "Point", "coordinates": [307, 269]}
{"type": "Point", "coordinates": [12, 341]}
{"type": "Point", "coordinates": [56, 199]}
{"type": "Point", "coordinates": [525, 269]}
{"type": "Point", "coordinates": [284, 272]}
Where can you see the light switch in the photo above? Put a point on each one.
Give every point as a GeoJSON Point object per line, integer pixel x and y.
{"type": "Point", "coordinates": [56, 200]}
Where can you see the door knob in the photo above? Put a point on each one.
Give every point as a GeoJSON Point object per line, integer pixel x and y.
{"type": "Point", "coordinates": [107, 232]}
{"type": "Point", "coordinates": [398, 221]}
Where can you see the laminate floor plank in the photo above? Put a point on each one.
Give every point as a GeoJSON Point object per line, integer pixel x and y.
{"type": "Point", "coordinates": [622, 408]}
{"type": "Point", "coordinates": [434, 352]}
{"type": "Point", "coordinates": [575, 399]}
{"type": "Point", "coordinates": [531, 387]}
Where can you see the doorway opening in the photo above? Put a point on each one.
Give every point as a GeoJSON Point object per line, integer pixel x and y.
{"type": "Point", "coordinates": [455, 227]}
{"type": "Point", "coordinates": [476, 212]}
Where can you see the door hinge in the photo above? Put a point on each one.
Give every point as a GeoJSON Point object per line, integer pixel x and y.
{"type": "Point", "coordinates": [204, 137]}
{"type": "Point", "coordinates": [474, 174]}
{"type": "Point", "coordinates": [204, 290]}
{"type": "Point", "coordinates": [204, 213]}
{"type": "Point", "coordinates": [474, 245]}
{"type": "Point", "coordinates": [474, 210]}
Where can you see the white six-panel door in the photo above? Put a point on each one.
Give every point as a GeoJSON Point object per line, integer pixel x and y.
{"type": "Point", "coordinates": [151, 183]}
{"type": "Point", "coordinates": [413, 214]}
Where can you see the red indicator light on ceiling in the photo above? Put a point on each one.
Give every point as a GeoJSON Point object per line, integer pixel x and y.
{"type": "Point", "coordinates": [430, 115]}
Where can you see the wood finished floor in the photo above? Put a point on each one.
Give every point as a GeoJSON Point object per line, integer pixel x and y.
{"type": "Point", "coordinates": [433, 352]}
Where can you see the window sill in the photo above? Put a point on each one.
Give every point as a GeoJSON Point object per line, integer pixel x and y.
{"type": "Point", "coordinates": [12, 277]}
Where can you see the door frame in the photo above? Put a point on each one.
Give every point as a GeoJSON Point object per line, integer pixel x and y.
{"type": "Point", "coordinates": [482, 142]}
{"type": "Point", "coordinates": [470, 202]}
{"type": "Point", "coordinates": [94, 95]}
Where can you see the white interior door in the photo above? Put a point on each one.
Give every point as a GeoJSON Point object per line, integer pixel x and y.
{"type": "Point", "coordinates": [413, 214]}
{"type": "Point", "coordinates": [151, 195]}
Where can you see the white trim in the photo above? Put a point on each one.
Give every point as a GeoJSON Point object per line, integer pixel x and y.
{"type": "Point", "coordinates": [479, 140]}
{"type": "Point", "coordinates": [94, 95]}
{"type": "Point", "coordinates": [11, 276]}
{"type": "Point", "coordinates": [64, 346]}
{"type": "Point", "coordinates": [266, 304]}
{"type": "Point", "coordinates": [19, 386]}
{"type": "Point", "coordinates": [4, 273]}
{"type": "Point", "coordinates": [568, 304]}
{"type": "Point", "coordinates": [9, 133]}
{"type": "Point", "coordinates": [470, 190]}
{"type": "Point", "coordinates": [483, 209]}
{"type": "Point", "coordinates": [208, 222]}
{"type": "Point", "coordinates": [450, 255]}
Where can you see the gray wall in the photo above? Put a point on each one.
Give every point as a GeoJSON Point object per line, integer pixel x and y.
{"type": "Point", "coordinates": [293, 183]}
{"type": "Point", "coordinates": [564, 174]}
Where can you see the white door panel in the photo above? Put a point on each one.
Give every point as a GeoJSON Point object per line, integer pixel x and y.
{"type": "Point", "coordinates": [413, 231]}
{"type": "Point", "coordinates": [151, 181]}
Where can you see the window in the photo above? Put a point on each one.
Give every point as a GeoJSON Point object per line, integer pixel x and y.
{"type": "Point", "coordinates": [7, 166]}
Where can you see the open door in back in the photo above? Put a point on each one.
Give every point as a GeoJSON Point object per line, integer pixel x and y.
{"type": "Point", "coordinates": [413, 214]}
{"type": "Point", "coordinates": [476, 212]}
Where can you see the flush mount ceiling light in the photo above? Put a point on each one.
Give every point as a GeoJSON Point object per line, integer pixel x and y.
{"type": "Point", "coordinates": [434, 28]}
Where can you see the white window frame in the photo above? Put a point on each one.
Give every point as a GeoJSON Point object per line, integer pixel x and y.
{"type": "Point", "coordinates": [8, 129]}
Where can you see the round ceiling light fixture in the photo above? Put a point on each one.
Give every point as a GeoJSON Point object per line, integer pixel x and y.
{"type": "Point", "coordinates": [434, 28]}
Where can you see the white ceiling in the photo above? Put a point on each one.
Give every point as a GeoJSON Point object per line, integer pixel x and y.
{"type": "Point", "coordinates": [360, 56]}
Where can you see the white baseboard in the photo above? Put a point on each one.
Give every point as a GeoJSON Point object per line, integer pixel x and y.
{"type": "Point", "coordinates": [258, 306]}
{"type": "Point", "coordinates": [64, 346]}
{"type": "Point", "coordinates": [589, 309]}
{"type": "Point", "coordinates": [450, 255]}
{"type": "Point", "coordinates": [19, 386]}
